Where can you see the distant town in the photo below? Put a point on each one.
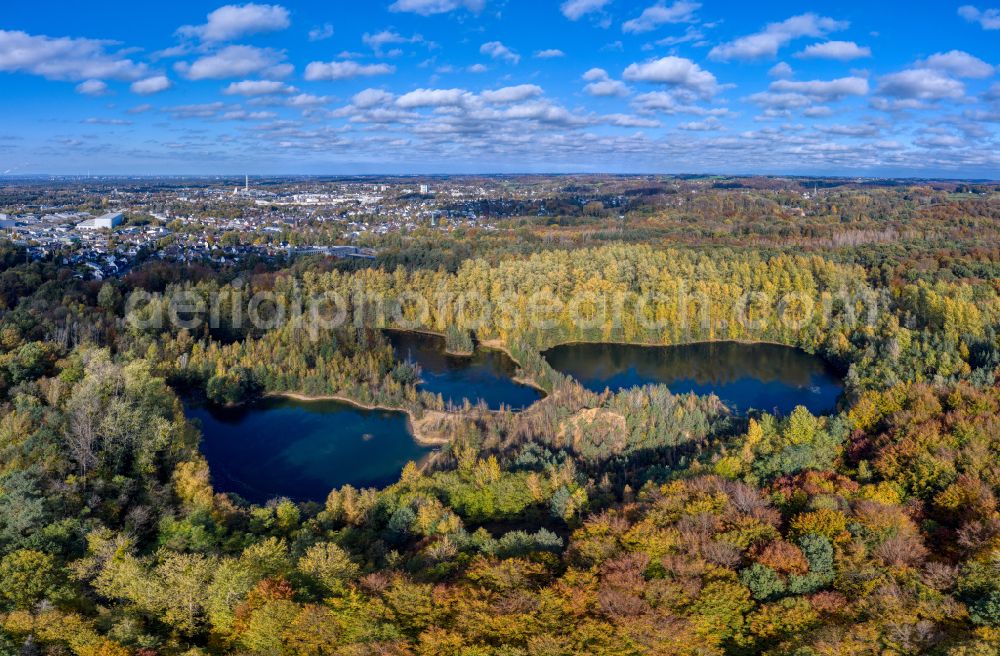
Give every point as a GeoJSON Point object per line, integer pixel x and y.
{"type": "Point", "coordinates": [104, 227]}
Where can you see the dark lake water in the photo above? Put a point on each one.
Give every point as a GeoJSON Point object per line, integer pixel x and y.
{"type": "Point", "coordinates": [760, 376]}
{"type": "Point", "coordinates": [302, 450]}
{"type": "Point", "coordinates": [487, 374]}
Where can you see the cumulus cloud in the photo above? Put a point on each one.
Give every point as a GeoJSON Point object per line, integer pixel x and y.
{"type": "Point", "coordinates": [233, 21]}
{"type": "Point", "coordinates": [774, 36]}
{"type": "Point", "coordinates": [630, 121]}
{"type": "Point", "coordinates": [201, 110]}
{"type": "Point", "coordinates": [543, 112]}
{"type": "Point", "coordinates": [920, 84]}
{"type": "Point", "coordinates": [243, 115]}
{"type": "Point", "coordinates": [64, 58]}
{"type": "Point", "coordinates": [151, 85]}
{"type": "Point", "coordinates": [235, 61]}
{"type": "Point", "coordinates": [780, 101]}
{"type": "Point", "coordinates": [92, 88]}
{"type": "Point", "coordinates": [106, 121]}
{"type": "Point", "coordinates": [988, 19]}
{"type": "Point", "coordinates": [781, 69]}
{"type": "Point", "coordinates": [512, 94]}
{"type": "Point", "coordinates": [433, 98]}
{"type": "Point", "coordinates": [675, 71]}
{"type": "Point", "coordinates": [577, 9]}
{"type": "Point", "coordinates": [838, 50]}
{"type": "Point", "coordinates": [959, 64]}
{"type": "Point", "coordinates": [844, 130]}
{"type": "Point", "coordinates": [681, 11]}
{"type": "Point", "coordinates": [601, 84]}
{"type": "Point", "coordinates": [304, 100]}
{"type": "Point", "coordinates": [321, 32]}
{"type": "Point", "coordinates": [257, 88]}
{"type": "Point", "coordinates": [345, 70]}
{"type": "Point", "coordinates": [550, 53]}
{"type": "Point", "coordinates": [431, 7]}
{"type": "Point", "coordinates": [497, 50]}
{"type": "Point", "coordinates": [707, 125]}
{"type": "Point", "coordinates": [371, 98]}
{"type": "Point", "coordinates": [823, 89]}
{"type": "Point", "coordinates": [379, 40]}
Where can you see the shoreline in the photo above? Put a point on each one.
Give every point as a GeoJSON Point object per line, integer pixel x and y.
{"type": "Point", "coordinates": [745, 342]}
{"type": "Point", "coordinates": [489, 344]}
{"type": "Point", "coordinates": [434, 333]}
{"type": "Point", "coordinates": [497, 345]}
{"type": "Point", "coordinates": [418, 426]}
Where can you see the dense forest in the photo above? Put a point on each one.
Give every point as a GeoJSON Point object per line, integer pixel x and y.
{"type": "Point", "coordinates": [628, 523]}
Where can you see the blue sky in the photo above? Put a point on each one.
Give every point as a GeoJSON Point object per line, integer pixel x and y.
{"type": "Point", "coordinates": [481, 86]}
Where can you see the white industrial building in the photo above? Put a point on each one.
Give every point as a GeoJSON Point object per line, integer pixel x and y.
{"type": "Point", "coordinates": [105, 221]}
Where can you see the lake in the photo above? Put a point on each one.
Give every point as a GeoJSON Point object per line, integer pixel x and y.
{"type": "Point", "coordinates": [766, 377]}
{"type": "Point", "coordinates": [302, 450]}
{"type": "Point", "coordinates": [485, 375]}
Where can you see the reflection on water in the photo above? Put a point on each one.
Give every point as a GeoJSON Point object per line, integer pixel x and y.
{"type": "Point", "coordinates": [486, 374]}
{"type": "Point", "coordinates": [302, 450]}
{"type": "Point", "coordinates": [760, 376]}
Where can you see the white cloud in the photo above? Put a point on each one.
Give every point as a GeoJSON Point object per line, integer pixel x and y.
{"type": "Point", "coordinates": [305, 100]}
{"type": "Point", "coordinates": [959, 64]}
{"type": "Point", "coordinates": [243, 115]}
{"type": "Point", "coordinates": [608, 89]}
{"type": "Point", "coordinates": [577, 9]}
{"type": "Point", "coordinates": [819, 111]}
{"type": "Point", "coordinates": [92, 88]}
{"type": "Point", "coordinates": [371, 98]}
{"type": "Point", "coordinates": [233, 21]}
{"type": "Point", "coordinates": [988, 19]}
{"type": "Point", "coordinates": [781, 101]}
{"type": "Point", "coordinates": [497, 50]}
{"type": "Point", "coordinates": [601, 84]}
{"type": "Point", "coordinates": [477, 68]}
{"type": "Point", "coordinates": [543, 112]}
{"type": "Point", "coordinates": [430, 7]}
{"type": "Point", "coordinates": [681, 11]}
{"type": "Point", "coordinates": [151, 85]}
{"type": "Point", "coordinates": [433, 98]}
{"type": "Point", "coordinates": [345, 70]}
{"type": "Point", "coordinates": [676, 71]}
{"type": "Point", "coordinates": [202, 110]}
{"type": "Point", "coordinates": [782, 70]}
{"type": "Point", "coordinates": [860, 130]}
{"type": "Point", "coordinates": [106, 121]}
{"type": "Point", "coordinates": [64, 58]}
{"type": "Point", "coordinates": [257, 88]}
{"type": "Point", "coordinates": [767, 42]}
{"type": "Point", "coordinates": [513, 94]}
{"type": "Point", "coordinates": [823, 89]}
{"type": "Point", "coordinates": [630, 121]}
{"type": "Point", "coordinates": [838, 50]}
{"type": "Point", "coordinates": [701, 126]}
{"type": "Point", "coordinates": [550, 53]}
{"type": "Point", "coordinates": [321, 32]}
{"type": "Point", "coordinates": [920, 84]}
{"type": "Point", "coordinates": [235, 61]}
{"type": "Point", "coordinates": [384, 38]}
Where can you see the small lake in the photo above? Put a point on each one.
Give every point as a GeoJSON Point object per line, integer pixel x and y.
{"type": "Point", "coordinates": [303, 449]}
{"type": "Point", "coordinates": [485, 375]}
{"type": "Point", "coordinates": [765, 377]}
